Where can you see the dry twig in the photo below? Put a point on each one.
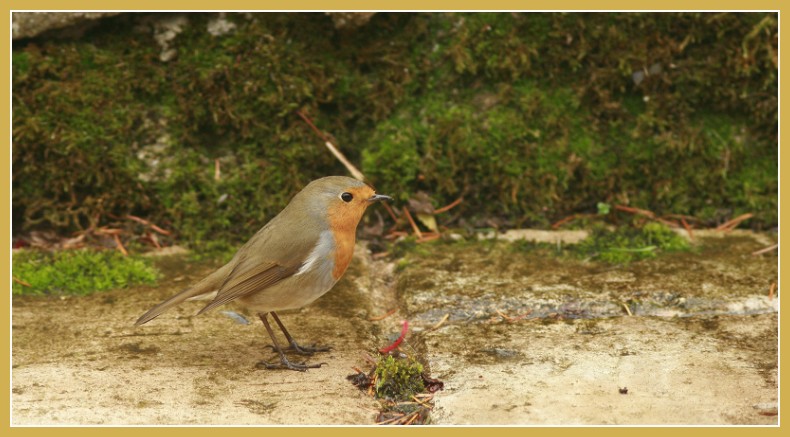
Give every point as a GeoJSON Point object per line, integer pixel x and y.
{"type": "Point", "coordinates": [766, 250]}
{"type": "Point", "coordinates": [382, 317]}
{"type": "Point", "coordinates": [732, 224]}
{"type": "Point", "coordinates": [413, 224]}
{"type": "Point", "coordinates": [568, 219]}
{"type": "Point", "coordinates": [395, 234]}
{"type": "Point", "coordinates": [338, 154]}
{"type": "Point", "coordinates": [21, 282]}
{"type": "Point", "coordinates": [152, 238]}
{"type": "Point", "coordinates": [455, 203]}
{"type": "Point", "coordinates": [391, 212]}
{"type": "Point", "coordinates": [369, 359]}
{"type": "Point", "coordinates": [391, 420]}
{"type": "Point", "coordinates": [440, 323]}
{"type": "Point", "coordinates": [148, 223]}
{"type": "Point", "coordinates": [667, 222]}
{"type": "Point", "coordinates": [422, 403]}
{"type": "Point", "coordinates": [633, 210]}
{"type": "Point", "coordinates": [682, 217]}
{"type": "Point", "coordinates": [120, 245]}
{"type": "Point", "coordinates": [414, 417]}
{"type": "Point", "coordinates": [429, 236]}
{"type": "Point", "coordinates": [510, 319]}
{"type": "Point", "coordinates": [687, 227]}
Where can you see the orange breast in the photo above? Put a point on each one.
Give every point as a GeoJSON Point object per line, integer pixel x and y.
{"type": "Point", "coordinates": [343, 224]}
{"type": "Point", "coordinates": [344, 245]}
{"type": "Point", "coordinates": [343, 218]}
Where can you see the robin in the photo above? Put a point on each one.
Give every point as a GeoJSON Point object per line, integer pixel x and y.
{"type": "Point", "coordinates": [292, 261]}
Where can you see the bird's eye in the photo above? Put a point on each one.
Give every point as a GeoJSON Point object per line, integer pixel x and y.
{"type": "Point", "coordinates": [347, 197]}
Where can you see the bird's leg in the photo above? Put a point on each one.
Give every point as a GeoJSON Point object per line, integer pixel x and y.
{"type": "Point", "coordinates": [284, 363]}
{"type": "Point", "coordinates": [302, 350]}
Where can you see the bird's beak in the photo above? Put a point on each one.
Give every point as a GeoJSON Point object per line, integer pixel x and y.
{"type": "Point", "coordinates": [378, 197]}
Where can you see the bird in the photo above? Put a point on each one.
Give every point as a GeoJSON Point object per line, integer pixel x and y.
{"type": "Point", "coordinates": [294, 259]}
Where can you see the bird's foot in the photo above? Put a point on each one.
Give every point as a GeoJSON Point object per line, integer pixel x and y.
{"type": "Point", "coordinates": [285, 364]}
{"type": "Point", "coordinates": [303, 350]}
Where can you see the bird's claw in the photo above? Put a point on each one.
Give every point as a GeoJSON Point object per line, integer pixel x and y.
{"type": "Point", "coordinates": [303, 350]}
{"type": "Point", "coordinates": [285, 364]}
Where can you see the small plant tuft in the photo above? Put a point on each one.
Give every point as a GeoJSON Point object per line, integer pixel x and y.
{"type": "Point", "coordinates": [78, 272]}
{"type": "Point", "coordinates": [398, 379]}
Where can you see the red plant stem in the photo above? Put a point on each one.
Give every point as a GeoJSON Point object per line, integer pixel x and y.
{"type": "Point", "coordinates": [397, 342]}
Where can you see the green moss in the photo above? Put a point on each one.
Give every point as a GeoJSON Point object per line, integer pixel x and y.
{"type": "Point", "coordinates": [405, 246]}
{"type": "Point", "coordinates": [529, 116]}
{"type": "Point", "coordinates": [612, 245]}
{"type": "Point", "coordinates": [78, 272]}
{"type": "Point", "coordinates": [518, 147]}
{"type": "Point", "coordinates": [398, 379]}
{"type": "Point", "coordinates": [402, 264]}
{"type": "Point", "coordinates": [626, 244]}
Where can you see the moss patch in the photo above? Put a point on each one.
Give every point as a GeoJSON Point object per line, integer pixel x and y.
{"type": "Point", "coordinates": [398, 379]}
{"type": "Point", "coordinates": [78, 272]}
{"type": "Point", "coordinates": [530, 116]}
{"type": "Point", "coordinates": [627, 244]}
{"type": "Point", "coordinates": [404, 390]}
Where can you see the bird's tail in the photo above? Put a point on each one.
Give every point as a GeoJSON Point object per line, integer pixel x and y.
{"type": "Point", "coordinates": [207, 285]}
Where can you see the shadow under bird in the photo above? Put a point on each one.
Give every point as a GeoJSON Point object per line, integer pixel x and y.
{"type": "Point", "coordinates": [292, 261]}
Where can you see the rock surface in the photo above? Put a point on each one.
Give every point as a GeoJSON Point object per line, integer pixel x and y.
{"type": "Point", "coordinates": [525, 341]}
{"type": "Point", "coordinates": [30, 24]}
{"type": "Point", "coordinates": [709, 370]}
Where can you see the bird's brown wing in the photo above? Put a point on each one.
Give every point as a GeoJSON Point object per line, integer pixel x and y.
{"type": "Point", "coordinates": [255, 279]}
{"type": "Point", "coordinates": [268, 258]}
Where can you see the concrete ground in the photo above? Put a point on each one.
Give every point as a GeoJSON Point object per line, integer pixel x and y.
{"type": "Point", "coordinates": [516, 338]}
